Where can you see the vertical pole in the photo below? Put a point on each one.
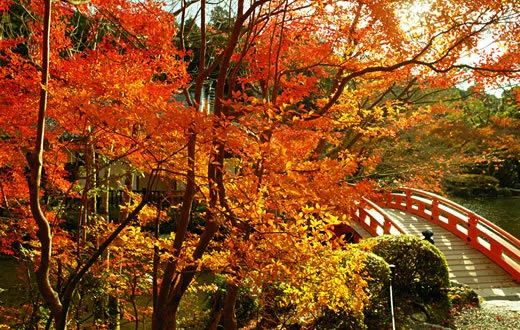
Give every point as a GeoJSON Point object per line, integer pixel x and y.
{"type": "Point", "coordinates": [408, 200]}
{"type": "Point", "coordinates": [387, 225]}
{"type": "Point", "coordinates": [435, 210]}
{"type": "Point", "coordinates": [388, 199]}
{"type": "Point", "coordinates": [392, 267]}
{"type": "Point", "coordinates": [472, 230]}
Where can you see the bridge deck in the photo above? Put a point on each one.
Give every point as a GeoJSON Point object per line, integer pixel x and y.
{"type": "Point", "coordinates": [467, 265]}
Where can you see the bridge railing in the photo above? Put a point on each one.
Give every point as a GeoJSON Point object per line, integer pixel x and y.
{"type": "Point", "coordinates": [375, 220]}
{"type": "Point", "coordinates": [497, 244]}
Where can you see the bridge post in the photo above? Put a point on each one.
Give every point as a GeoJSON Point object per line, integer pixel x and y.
{"type": "Point", "coordinates": [435, 210]}
{"type": "Point", "coordinates": [408, 199]}
{"type": "Point", "coordinates": [472, 230]}
{"type": "Point", "coordinates": [388, 199]}
{"type": "Point", "coordinates": [387, 226]}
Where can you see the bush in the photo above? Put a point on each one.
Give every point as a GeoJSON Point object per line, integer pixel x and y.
{"type": "Point", "coordinates": [246, 306]}
{"type": "Point", "coordinates": [420, 276]}
{"type": "Point", "coordinates": [421, 270]}
{"type": "Point", "coordinates": [344, 320]}
{"type": "Point", "coordinates": [468, 185]}
{"type": "Point", "coordinates": [376, 313]}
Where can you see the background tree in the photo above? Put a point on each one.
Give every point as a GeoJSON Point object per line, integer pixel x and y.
{"type": "Point", "coordinates": [305, 91]}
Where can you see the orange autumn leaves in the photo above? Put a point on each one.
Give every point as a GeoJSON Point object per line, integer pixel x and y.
{"type": "Point", "coordinates": [311, 89]}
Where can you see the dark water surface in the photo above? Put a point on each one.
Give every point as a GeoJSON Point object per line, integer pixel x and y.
{"type": "Point", "coordinates": [503, 211]}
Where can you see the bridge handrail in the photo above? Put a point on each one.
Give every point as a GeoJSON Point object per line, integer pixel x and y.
{"type": "Point", "coordinates": [385, 215]}
{"type": "Point", "coordinates": [502, 247]}
{"type": "Point", "coordinates": [385, 227]}
{"type": "Point", "coordinates": [515, 241]}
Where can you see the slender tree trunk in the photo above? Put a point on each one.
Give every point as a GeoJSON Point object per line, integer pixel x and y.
{"type": "Point", "coordinates": [215, 319]}
{"type": "Point", "coordinates": [223, 311]}
{"type": "Point", "coordinates": [228, 311]}
{"type": "Point", "coordinates": [75, 279]}
{"type": "Point", "coordinates": [58, 307]}
{"type": "Point", "coordinates": [111, 309]}
{"type": "Point", "coordinates": [35, 159]}
{"type": "Point", "coordinates": [95, 179]}
{"type": "Point", "coordinates": [87, 204]}
{"type": "Point", "coordinates": [79, 306]}
{"type": "Point", "coordinates": [134, 303]}
{"type": "Point", "coordinates": [114, 313]}
{"type": "Point", "coordinates": [105, 197]}
{"type": "Point", "coordinates": [164, 314]}
{"type": "Point", "coordinates": [126, 197]}
{"type": "Point", "coordinates": [156, 260]}
{"type": "Point", "coordinates": [174, 283]}
{"type": "Point", "coordinates": [216, 311]}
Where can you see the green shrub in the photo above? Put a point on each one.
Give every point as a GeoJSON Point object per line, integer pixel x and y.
{"type": "Point", "coordinates": [377, 311]}
{"type": "Point", "coordinates": [421, 270]}
{"type": "Point", "coordinates": [420, 284]}
{"type": "Point", "coordinates": [420, 276]}
{"type": "Point", "coordinates": [468, 185]}
{"type": "Point", "coordinates": [344, 320]}
{"type": "Point", "coordinates": [193, 311]}
{"type": "Point", "coordinates": [246, 306]}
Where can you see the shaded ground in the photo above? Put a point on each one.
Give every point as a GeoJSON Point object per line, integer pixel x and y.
{"type": "Point", "coordinates": [492, 315]}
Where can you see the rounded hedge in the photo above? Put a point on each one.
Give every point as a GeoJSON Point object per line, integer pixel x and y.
{"type": "Point", "coordinates": [421, 270]}
{"type": "Point", "coordinates": [377, 311]}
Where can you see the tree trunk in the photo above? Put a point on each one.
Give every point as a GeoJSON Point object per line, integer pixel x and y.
{"type": "Point", "coordinates": [35, 160]}
{"type": "Point", "coordinates": [223, 310]}
{"type": "Point", "coordinates": [88, 202]}
{"type": "Point", "coordinates": [114, 313]}
{"type": "Point", "coordinates": [216, 310]}
{"type": "Point", "coordinates": [105, 197]}
{"type": "Point", "coordinates": [228, 311]}
{"type": "Point", "coordinates": [126, 197]}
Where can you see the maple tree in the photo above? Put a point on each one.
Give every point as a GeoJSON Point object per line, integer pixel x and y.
{"type": "Point", "coordinates": [457, 129]}
{"type": "Point", "coordinates": [304, 91]}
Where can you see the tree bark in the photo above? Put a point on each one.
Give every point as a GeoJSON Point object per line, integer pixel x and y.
{"type": "Point", "coordinates": [164, 314]}
{"type": "Point", "coordinates": [105, 197]}
{"type": "Point", "coordinates": [216, 310]}
{"type": "Point", "coordinates": [174, 283]}
{"type": "Point", "coordinates": [35, 160]}
{"type": "Point", "coordinates": [228, 311]}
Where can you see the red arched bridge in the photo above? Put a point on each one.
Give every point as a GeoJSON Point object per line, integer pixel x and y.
{"type": "Point", "coordinates": [479, 253]}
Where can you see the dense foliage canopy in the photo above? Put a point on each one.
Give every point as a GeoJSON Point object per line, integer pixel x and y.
{"type": "Point", "coordinates": [261, 123]}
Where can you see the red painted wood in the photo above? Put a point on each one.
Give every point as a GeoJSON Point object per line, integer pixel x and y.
{"type": "Point", "coordinates": [361, 216]}
{"type": "Point", "coordinates": [501, 243]}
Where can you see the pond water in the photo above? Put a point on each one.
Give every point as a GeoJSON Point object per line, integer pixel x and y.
{"type": "Point", "coordinates": [503, 211]}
